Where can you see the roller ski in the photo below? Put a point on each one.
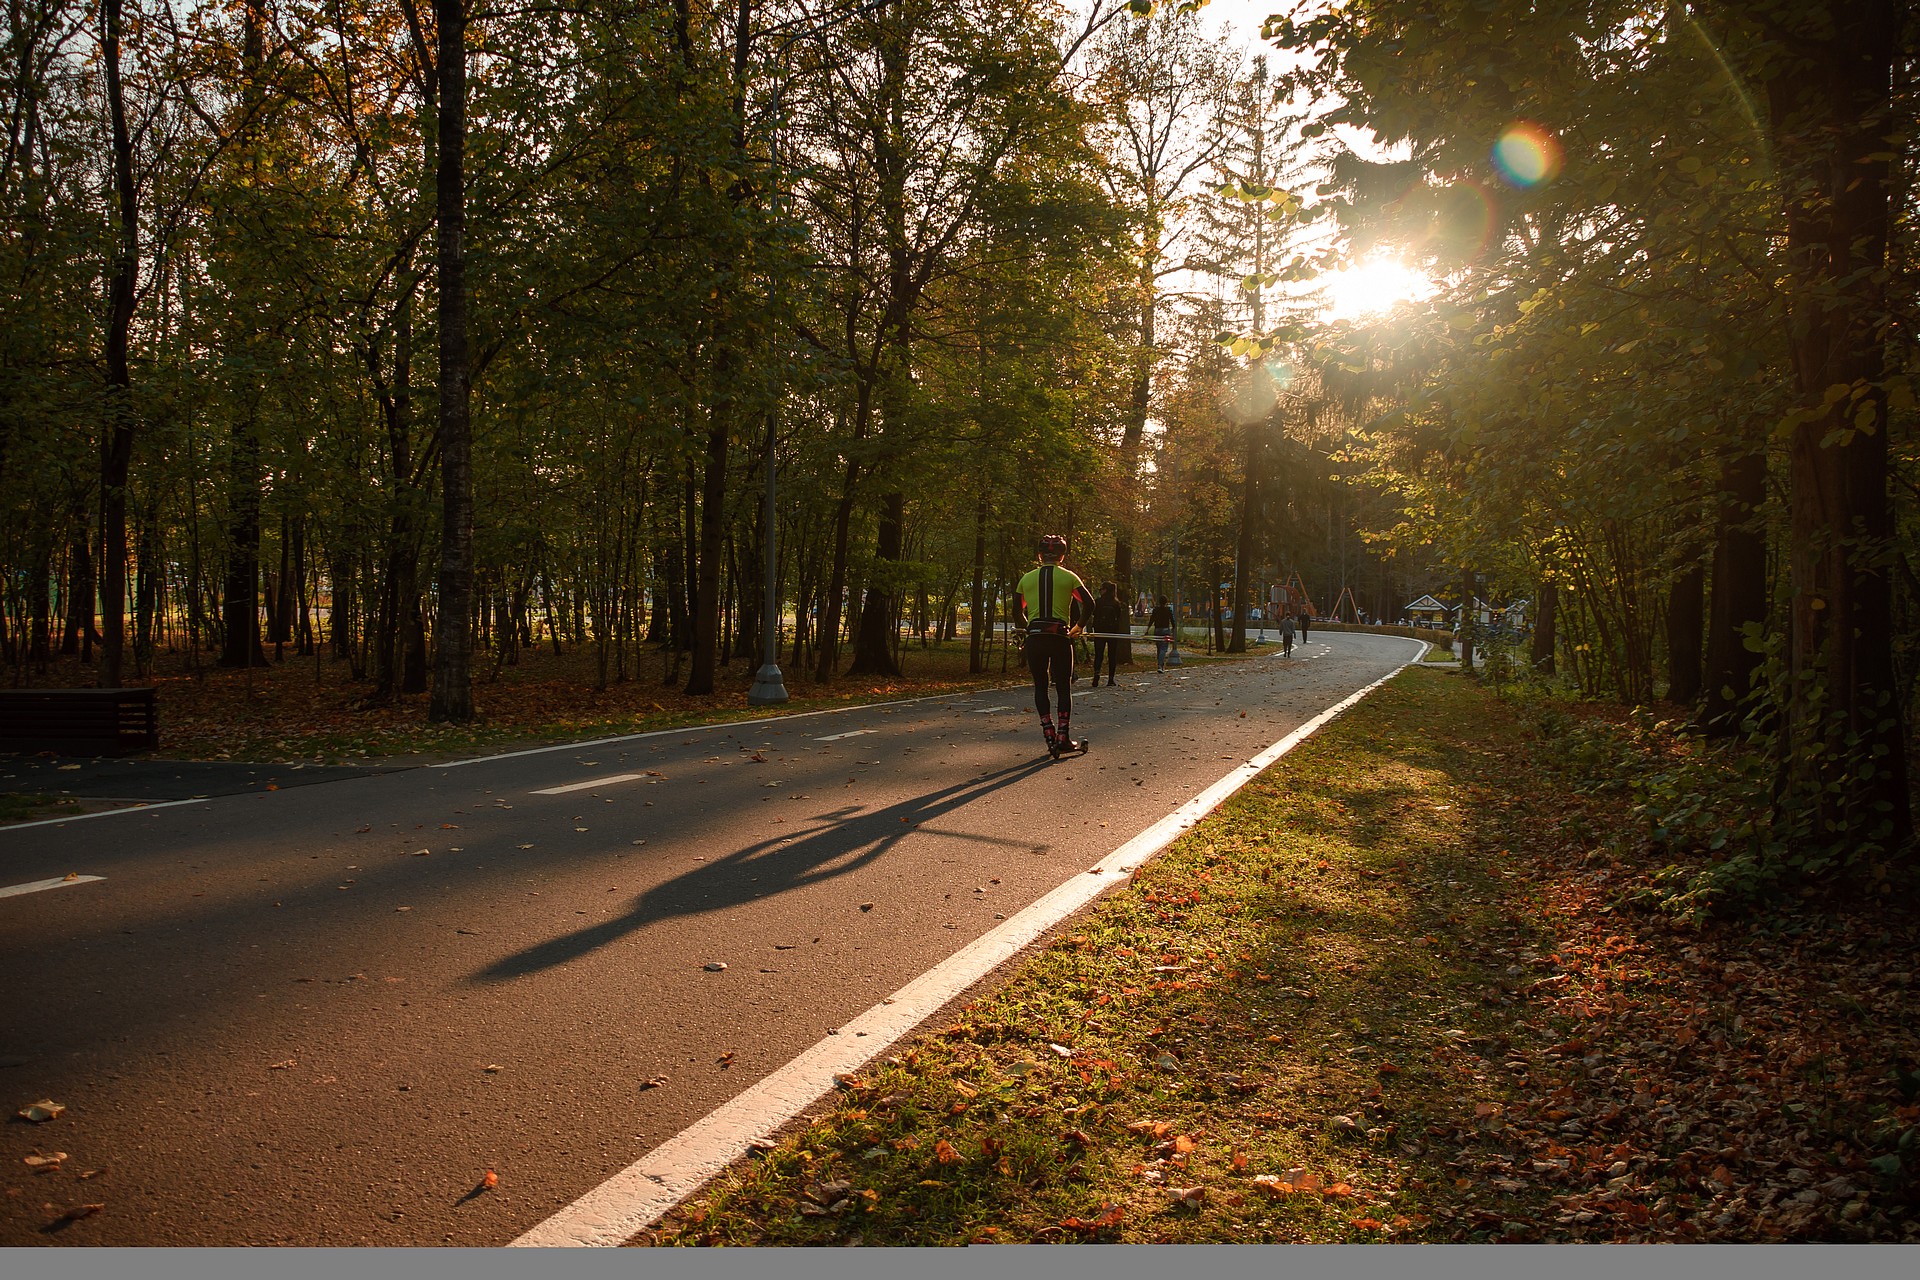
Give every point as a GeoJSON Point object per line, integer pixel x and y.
{"type": "Point", "coordinates": [1067, 747]}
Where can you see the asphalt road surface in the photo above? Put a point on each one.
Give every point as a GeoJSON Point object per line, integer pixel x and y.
{"type": "Point", "coordinates": [318, 1015]}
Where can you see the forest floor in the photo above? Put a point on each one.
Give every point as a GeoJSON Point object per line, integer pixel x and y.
{"type": "Point", "coordinates": [301, 709]}
{"type": "Point", "coordinates": [1399, 988]}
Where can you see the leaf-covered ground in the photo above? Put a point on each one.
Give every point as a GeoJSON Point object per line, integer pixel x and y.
{"type": "Point", "coordinates": [1394, 990]}
{"type": "Point", "coordinates": [299, 710]}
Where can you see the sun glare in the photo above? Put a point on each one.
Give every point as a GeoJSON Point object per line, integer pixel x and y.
{"type": "Point", "coordinates": [1372, 287]}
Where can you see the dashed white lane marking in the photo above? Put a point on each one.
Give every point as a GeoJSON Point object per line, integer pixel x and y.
{"type": "Point", "coordinates": [607, 781]}
{"type": "Point", "coordinates": [851, 733]}
{"type": "Point", "coordinates": [61, 882]}
{"type": "Point", "coordinates": [984, 711]}
{"type": "Point", "coordinates": [625, 1204]}
{"type": "Point", "coordinates": [104, 813]}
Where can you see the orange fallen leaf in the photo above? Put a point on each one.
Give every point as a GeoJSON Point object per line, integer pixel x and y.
{"type": "Point", "coordinates": [1107, 1217]}
{"type": "Point", "coordinates": [1365, 1224]}
{"type": "Point", "coordinates": [491, 1179]}
{"type": "Point", "coordinates": [943, 1153]}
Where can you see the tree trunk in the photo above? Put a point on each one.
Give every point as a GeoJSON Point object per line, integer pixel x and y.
{"type": "Point", "coordinates": [720, 414]}
{"type": "Point", "coordinates": [1243, 550]}
{"type": "Point", "coordinates": [1469, 588]}
{"type": "Point", "coordinates": [1831, 113]}
{"type": "Point", "coordinates": [116, 447]}
{"type": "Point", "coordinates": [873, 653]}
{"type": "Point", "coordinates": [1685, 623]}
{"type": "Point", "coordinates": [1545, 623]}
{"type": "Point", "coordinates": [1140, 402]}
{"type": "Point", "coordinates": [453, 667]}
{"type": "Point", "coordinates": [977, 634]}
{"type": "Point", "coordinates": [827, 639]}
{"type": "Point", "coordinates": [1739, 593]}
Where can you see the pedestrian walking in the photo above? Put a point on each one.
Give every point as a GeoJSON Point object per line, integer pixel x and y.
{"type": "Point", "coordinates": [1160, 626]}
{"type": "Point", "coordinates": [1053, 605]}
{"type": "Point", "coordinates": [1286, 635]}
{"type": "Point", "coordinates": [1109, 616]}
{"type": "Point", "coordinates": [1304, 628]}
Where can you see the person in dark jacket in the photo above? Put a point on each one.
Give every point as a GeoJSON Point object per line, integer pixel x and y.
{"type": "Point", "coordinates": [1160, 626]}
{"type": "Point", "coordinates": [1110, 616]}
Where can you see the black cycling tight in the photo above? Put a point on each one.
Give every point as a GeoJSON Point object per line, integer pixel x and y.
{"type": "Point", "coordinates": [1051, 656]}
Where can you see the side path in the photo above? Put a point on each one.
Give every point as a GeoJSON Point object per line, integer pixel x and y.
{"type": "Point", "coordinates": [1397, 989]}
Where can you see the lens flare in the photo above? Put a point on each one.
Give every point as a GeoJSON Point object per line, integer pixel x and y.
{"type": "Point", "coordinates": [1527, 155]}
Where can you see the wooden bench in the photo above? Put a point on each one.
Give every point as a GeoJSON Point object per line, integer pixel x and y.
{"type": "Point", "coordinates": [78, 722]}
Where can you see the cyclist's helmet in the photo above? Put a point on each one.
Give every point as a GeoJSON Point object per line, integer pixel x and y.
{"type": "Point", "coordinates": [1052, 547]}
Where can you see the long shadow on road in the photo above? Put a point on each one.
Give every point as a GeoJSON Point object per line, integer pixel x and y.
{"type": "Point", "coordinates": [846, 840]}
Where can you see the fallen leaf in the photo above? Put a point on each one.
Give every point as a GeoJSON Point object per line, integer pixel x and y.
{"type": "Point", "coordinates": [283, 1065]}
{"type": "Point", "coordinates": [944, 1153]}
{"type": "Point", "coordinates": [1365, 1224]}
{"type": "Point", "coordinates": [716, 966]}
{"type": "Point", "coordinates": [491, 1179]}
{"type": "Point", "coordinates": [84, 1174]}
{"type": "Point", "coordinates": [51, 1160]}
{"type": "Point", "coordinates": [653, 1083]}
{"type": "Point", "coordinates": [80, 1211]}
{"type": "Point", "coordinates": [1239, 1162]}
{"type": "Point", "coordinates": [70, 877]}
{"type": "Point", "coordinates": [45, 1109]}
{"type": "Point", "coordinates": [1105, 1218]}
{"type": "Point", "coordinates": [866, 906]}
{"type": "Point", "coordinates": [492, 1068]}
{"type": "Point", "coordinates": [1184, 1145]}
{"type": "Point", "coordinates": [726, 1059]}
{"type": "Point", "coordinates": [1188, 1197]}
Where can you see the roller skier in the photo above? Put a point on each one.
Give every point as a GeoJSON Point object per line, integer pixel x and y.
{"type": "Point", "coordinates": [1054, 605]}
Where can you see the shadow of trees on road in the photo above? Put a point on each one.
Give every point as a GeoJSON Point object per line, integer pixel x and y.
{"type": "Point", "coordinates": [843, 841]}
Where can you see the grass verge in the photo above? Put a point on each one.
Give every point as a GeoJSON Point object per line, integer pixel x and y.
{"type": "Point", "coordinates": [1385, 993]}
{"type": "Point", "coordinates": [26, 807]}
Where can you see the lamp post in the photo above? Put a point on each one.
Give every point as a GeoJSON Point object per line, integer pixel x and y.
{"type": "Point", "coordinates": [769, 686]}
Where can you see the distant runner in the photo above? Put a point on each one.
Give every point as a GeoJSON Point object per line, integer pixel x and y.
{"type": "Point", "coordinates": [1054, 604]}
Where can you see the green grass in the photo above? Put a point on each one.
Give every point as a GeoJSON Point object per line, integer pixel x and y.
{"type": "Point", "coordinates": [25, 807]}
{"type": "Point", "coordinates": [1312, 980]}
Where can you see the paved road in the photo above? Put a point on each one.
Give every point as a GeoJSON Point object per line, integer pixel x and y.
{"type": "Point", "coordinates": [317, 1015]}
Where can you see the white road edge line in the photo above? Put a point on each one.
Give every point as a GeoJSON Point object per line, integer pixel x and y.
{"type": "Point", "coordinates": [106, 813]}
{"type": "Point", "coordinates": [627, 1203]}
{"type": "Point", "coordinates": [691, 728]}
{"type": "Point", "coordinates": [15, 890]}
{"type": "Point", "coordinates": [607, 781]}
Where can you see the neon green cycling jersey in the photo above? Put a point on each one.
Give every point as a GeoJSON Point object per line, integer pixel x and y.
{"type": "Point", "coordinates": [1070, 598]}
